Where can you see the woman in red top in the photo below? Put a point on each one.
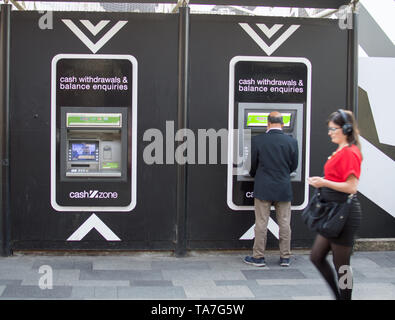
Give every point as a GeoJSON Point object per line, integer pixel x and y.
{"type": "Point", "coordinates": [342, 171]}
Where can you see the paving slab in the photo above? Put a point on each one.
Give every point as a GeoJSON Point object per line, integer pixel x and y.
{"type": "Point", "coordinates": [152, 293]}
{"type": "Point", "coordinates": [151, 283]}
{"type": "Point", "coordinates": [79, 292]}
{"type": "Point", "coordinates": [100, 283]}
{"type": "Point", "coordinates": [121, 264]}
{"type": "Point", "coordinates": [23, 292]}
{"type": "Point", "coordinates": [121, 275]}
{"type": "Point", "coordinates": [203, 275]}
{"type": "Point", "coordinates": [218, 292]}
{"type": "Point", "coordinates": [59, 277]}
{"type": "Point", "coordinates": [373, 291]}
{"type": "Point", "coordinates": [180, 265]}
{"type": "Point", "coordinates": [265, 273]}
{"type": "Point", "coordinates": [106, 293]}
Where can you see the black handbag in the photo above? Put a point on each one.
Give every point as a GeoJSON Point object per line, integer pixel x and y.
{"type": "Point", "coordinates": [326, 218]}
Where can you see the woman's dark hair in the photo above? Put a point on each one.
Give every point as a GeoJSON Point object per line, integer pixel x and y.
{"type": "Point", "coordinates": [343, 119]}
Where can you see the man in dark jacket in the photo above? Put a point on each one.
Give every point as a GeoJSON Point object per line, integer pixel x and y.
{"type": "Point", "coordinates": [274, 156]}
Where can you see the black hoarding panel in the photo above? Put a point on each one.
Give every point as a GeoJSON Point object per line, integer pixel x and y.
{"type": "Point", "coordinates": [152, 41]}
{"type": "Point", "coordinates": [228, 54]}
{"type": "Point", "coordinates": [215, 41]}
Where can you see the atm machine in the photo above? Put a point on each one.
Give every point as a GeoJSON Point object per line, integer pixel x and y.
{"type": "Point", "coordinates": [258, 86]}
{"type": "Point", "coordinates": [252, 118]}
{"type": "Point", "coordinates": [93, 158]}
{"type": "Point", "coordinates": [93, 144]}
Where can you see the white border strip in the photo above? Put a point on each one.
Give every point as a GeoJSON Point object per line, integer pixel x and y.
{"type": "Point", "coordinates": [133, 177]}
{"type": "Point", "coordinates": [231, 121]}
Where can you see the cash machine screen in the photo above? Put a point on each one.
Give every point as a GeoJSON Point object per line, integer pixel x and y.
{"type": "Point", "coordinates": [259, 119]}
{"type": "Point", "coordinates": [84, 151]}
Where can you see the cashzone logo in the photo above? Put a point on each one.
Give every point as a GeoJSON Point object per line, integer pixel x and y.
{"type": "Point", "coordinates": [93, 194]}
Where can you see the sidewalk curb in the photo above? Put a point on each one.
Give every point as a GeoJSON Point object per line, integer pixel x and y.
{"type": "Point", "coordinates": [375, 244]}
{"type": "Point", "coordinates": [369, 244]}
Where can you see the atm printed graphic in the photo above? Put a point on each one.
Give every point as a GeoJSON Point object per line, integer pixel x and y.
{"type": "Point", "coordinates": [258, 86]}
{"type": "Point", "coordinates": [93, 132]}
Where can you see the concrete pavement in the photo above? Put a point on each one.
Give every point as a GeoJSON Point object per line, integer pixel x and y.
{"type": "Point", "coordinates": [200, 275]}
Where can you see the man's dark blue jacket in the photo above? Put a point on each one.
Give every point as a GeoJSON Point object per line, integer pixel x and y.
{"type": "Point", "coordinates": [274, 155]}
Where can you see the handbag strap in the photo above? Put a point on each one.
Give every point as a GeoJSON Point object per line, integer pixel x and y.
{"type": "Point", "coordinates": [350, 197]}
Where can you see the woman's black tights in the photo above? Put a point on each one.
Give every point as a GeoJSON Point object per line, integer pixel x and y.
{"type": "Point", "coordinates": [341, 257]}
